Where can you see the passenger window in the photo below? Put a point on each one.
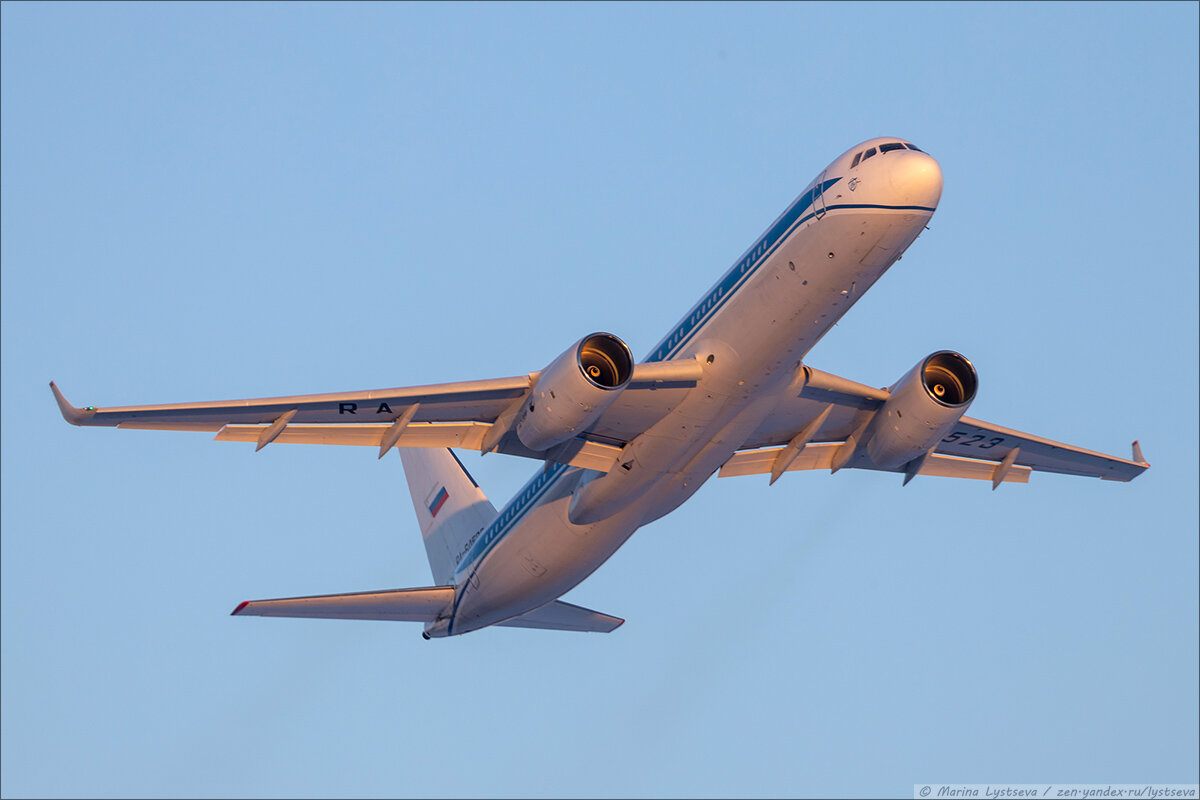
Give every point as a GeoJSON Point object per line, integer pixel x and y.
{"type": "Point", "coordinates": [887, 148]}
{"type": "Point", "coordinates": [868, 154]}
{"type": "Point", "coordinates": [854, 163]}
{"type": "Point", "coordinates": [914, 147]}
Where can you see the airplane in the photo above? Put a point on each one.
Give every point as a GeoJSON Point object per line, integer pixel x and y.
{"type": "Point", "coordinates": [623, 443]}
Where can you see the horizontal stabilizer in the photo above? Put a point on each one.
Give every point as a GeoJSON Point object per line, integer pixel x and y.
{"type": "Point", "coordinates": [406, 605]}
{"type": "Point", "coordinates": [560, 616]}
{"type": "Point", "coordinates": [820, 456]}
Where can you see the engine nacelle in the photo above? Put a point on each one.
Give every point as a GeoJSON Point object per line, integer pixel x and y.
{"type": "Point", "coordinates": [922, 408]}
{"type": "Point", "coordinates": [575, 390]}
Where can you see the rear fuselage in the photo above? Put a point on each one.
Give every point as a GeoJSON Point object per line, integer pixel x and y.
{"type": "Point", "coordinates": [750, 331]}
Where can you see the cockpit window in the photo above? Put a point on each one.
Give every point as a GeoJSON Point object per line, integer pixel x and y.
{"type": "Point", "coordinates": [883, 148]}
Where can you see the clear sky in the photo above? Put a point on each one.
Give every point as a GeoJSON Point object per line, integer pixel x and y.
{"type": "Point", "coordinates": [233, 200]}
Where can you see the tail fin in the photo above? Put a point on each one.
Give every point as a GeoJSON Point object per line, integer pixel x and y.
{"type": "Point", "coordinates": [451, 508]}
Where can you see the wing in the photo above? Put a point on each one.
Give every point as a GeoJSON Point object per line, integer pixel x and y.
{"type": "Point", "coordinates": [972, 449]}
{"type": "Point", "coordinates": [471, 414]}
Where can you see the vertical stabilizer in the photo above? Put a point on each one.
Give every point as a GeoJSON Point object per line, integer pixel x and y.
{"type": "Point", "coordinates": [451, 508]}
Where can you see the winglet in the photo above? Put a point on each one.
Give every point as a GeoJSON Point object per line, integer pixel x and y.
{"type": "Point", "coordinates": [73, 415]}
{"type": "Point", "coordinates": [1137, 454]}
{"type": "Point", "coordinates": [241, 605]}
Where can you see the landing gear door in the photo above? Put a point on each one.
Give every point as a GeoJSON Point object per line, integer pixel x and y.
{"type": "Point", "coordinates": [819, 196]}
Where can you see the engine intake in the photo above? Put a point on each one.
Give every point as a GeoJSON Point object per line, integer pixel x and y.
{"type": "Point", "coordinates": [574, 390]}
{"type": "Point", "coordinates": [605, 360]}
{"type": "Point", "coordinates": [921, 408]}
{"type": "Point", "coordinates": [949, 378]}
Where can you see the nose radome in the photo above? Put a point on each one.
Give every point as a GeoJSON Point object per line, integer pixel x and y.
{"type": "Point", "coordinates": [916, 179]}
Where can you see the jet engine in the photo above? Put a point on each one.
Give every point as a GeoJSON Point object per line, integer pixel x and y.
{"type": "Point", "coordinates": [921, 409]}
{"type": "Point", "coordinates": [574, 391]}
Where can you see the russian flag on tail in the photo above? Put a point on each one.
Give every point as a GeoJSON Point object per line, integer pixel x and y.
{"type": "Point", "coordinates": [439, 500]}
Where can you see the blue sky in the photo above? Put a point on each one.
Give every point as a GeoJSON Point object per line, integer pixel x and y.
{"type": "Point", "coordinates": [214, 201]}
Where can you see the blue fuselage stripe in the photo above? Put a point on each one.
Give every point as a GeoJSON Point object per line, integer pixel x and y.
{"type": "Point", "coordinates": [746, 266]}
{"type": "Point", "coordinates": [740, 272]}
{"type": "Point", "coordinates": [513, 513]}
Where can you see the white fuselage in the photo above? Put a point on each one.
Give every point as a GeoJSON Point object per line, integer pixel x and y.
{"type": "Point", "coordinates": [750, 332]}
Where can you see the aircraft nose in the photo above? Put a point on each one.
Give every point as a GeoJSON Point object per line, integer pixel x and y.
{"type": "Point", "coordinates": [915, 178]}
